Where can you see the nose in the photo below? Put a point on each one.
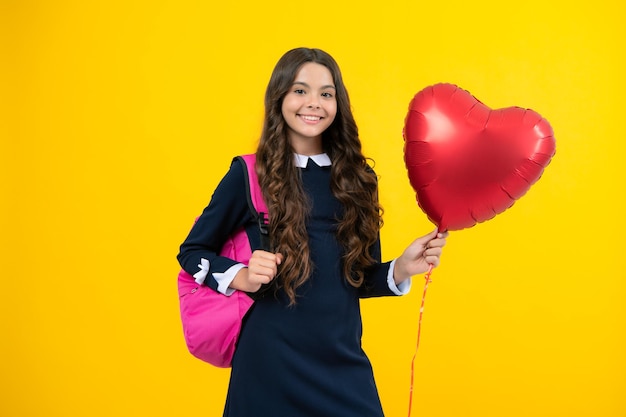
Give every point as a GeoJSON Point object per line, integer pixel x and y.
{"type": "Point", "coordinates": [313, 102]}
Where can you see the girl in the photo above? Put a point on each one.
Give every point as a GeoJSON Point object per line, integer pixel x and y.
{"type": "Point", "coordinates": [299, 352]}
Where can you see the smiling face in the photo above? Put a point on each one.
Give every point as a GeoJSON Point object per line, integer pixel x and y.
{"type": "Point", "coordinates": [309, 108]}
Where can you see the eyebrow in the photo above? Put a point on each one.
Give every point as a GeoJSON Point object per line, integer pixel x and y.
{"type": "Point", "coordinates": [308, 86]}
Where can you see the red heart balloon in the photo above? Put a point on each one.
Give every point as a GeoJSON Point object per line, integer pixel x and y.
{"type": "Point", "coordinates": [467, 162]}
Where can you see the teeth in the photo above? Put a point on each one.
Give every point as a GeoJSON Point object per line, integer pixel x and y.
{"type": "Point", "coordinates": [311, 118]}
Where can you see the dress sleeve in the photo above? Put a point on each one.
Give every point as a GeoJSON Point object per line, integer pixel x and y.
{"type": "Point", "coordinates": [227, 211]}
{"type": "Point", "coordinates": [377, 277]}
{"type": "Point", "coordinates": [377, 282]}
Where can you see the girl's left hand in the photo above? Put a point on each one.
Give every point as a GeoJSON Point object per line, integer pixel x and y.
{"type": "Point", "coordinates": [419, 256]}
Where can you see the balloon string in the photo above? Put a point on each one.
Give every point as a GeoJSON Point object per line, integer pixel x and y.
{"type": "Point", "coordinates": [419, 331]}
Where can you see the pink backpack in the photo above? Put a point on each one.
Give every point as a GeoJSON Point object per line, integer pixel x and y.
{"type": "Point", "coordinates": [212, 321]}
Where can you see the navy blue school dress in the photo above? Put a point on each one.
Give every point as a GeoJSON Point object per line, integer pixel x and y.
{"type": "Point", "coordinates": [305, 360]}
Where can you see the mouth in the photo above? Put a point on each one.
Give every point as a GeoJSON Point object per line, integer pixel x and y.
{"type": "Point", "coordinates": [310, 118]}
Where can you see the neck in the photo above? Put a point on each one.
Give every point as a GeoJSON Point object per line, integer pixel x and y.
{"type": "Point", "coordinates": [308, 147]}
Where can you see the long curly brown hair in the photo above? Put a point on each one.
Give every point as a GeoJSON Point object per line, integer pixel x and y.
{"type": "Point", "coordinates": [353, 182]}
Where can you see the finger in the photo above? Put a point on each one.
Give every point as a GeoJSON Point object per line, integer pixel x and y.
{"type": "Point", "coordinates": [432, 256]}
{"type": "Point", "coordinates": [262, 275]}
{"type": "Point", "coordinates": [432, 260]}
{"type": "Point", "coordinates": [275, 258]}
{"type": "Point", "coordinates": [433, 252]}
{"type": "Point", "coordinates": [436, 243]}
{"type": "Point", "coordinates": [266, 258]}
{"type": "Point", "coordinates": [261, 254]}
{"type": "Point", "coordinates": [263, 267]}
{"type": "Point", "coordinates": [426, 238]}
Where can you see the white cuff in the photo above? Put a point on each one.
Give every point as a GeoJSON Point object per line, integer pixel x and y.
{"type": "Point", "coordinates": [401, 289]}
{"type": "Point", "coordinates": [200, 276]}
{"type": "Point", "coordinates": [225, 278]}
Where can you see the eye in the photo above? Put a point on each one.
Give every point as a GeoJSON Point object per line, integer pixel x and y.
{"type": "Point", "coordinates": [327, 95]}
{"type": "Point", "coordinates": [298, 91]}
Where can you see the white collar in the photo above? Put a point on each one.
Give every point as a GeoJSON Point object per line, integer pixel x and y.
{"type": "Point", "coordinates": [322, 160]}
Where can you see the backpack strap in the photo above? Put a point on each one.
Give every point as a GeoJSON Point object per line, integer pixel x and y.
{"type": "Point", "coordinates": [255, 198]}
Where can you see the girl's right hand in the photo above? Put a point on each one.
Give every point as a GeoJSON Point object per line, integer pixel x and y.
{"type": "Point", "coordinates": [262, 268]}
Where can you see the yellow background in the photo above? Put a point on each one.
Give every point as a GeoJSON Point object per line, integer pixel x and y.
{"type": "Point", "coordinates": [118, 118]}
